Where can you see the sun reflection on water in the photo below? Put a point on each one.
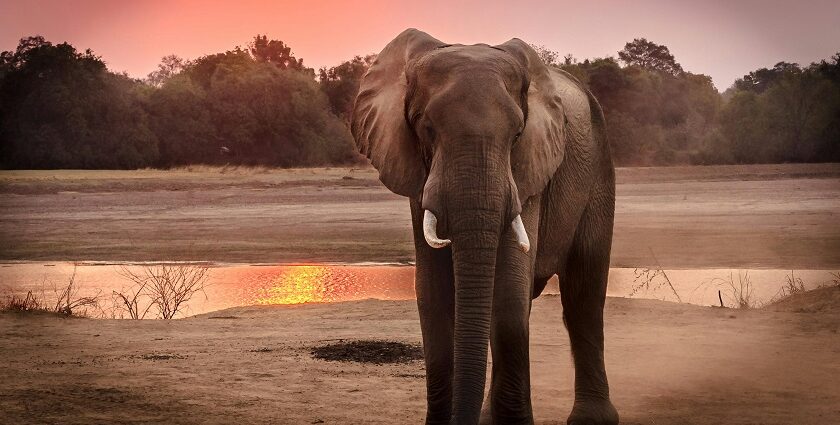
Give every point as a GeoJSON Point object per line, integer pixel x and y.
{"type": "Point", "coordinates": [318, 284]}
{"type": "Point", "coordinates": [296, 285]}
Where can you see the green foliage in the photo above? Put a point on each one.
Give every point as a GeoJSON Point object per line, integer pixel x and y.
{"type": "Point", "coordinates": [63, 109]}
{"type": "Point", "coordinates": [276, 53]}
{"type": "Point", "coordinates": [659, 114]}
{"type": "Point", "coordinates": [60, 108]}
{"type": "Point", "coordinates": [651, 56]}
{"type": "Point", "coordinates": [653, 117]}
{"type": "Point", "coordinates": [341, 83]}
{"type": "Point", "coordinates": [169, 66]}
{"type": "Point", "coordinates": [785, 114]}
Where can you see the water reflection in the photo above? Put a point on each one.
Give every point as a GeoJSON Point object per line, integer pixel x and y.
{"type": "Point", "coordinates": [324, 283]}
{"type": "Point", "coordinates": [292, 286]}
{"type": "Point", "coordinates": [233, 285]}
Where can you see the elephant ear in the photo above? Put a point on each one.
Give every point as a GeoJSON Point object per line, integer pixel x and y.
{"type": "Point", "coordinates": [379, 123]}
{"type": "Point", "coordinates": [541, 146]}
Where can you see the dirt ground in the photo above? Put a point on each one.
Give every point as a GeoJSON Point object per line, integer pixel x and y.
{"type": "Point", "coordinates": [668, 363]}
{"type": "Point", "coordinates": [764, 216]}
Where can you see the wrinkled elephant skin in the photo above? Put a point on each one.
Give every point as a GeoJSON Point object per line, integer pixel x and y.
{"type": "Point", "coordinates": [510, 181]}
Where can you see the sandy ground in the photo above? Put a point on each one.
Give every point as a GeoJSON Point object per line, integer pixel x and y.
{"type": "Point", "coordinates": [668, 364]}
{"type": "Point", "coordinates": [765, 216]}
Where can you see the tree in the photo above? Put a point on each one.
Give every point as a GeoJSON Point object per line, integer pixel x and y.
{"type": "Point", "coordinates": [180, 116]}
{"type": "Point", "coordinates": [648, 55]}
{"type": "Point", "coordinates": [784, 114]}
{"type": "Point", "coordinates": [257, 111]}
{"type": "Point", "coordinates": [168, 67]}
{"type": "Point", "coordinates": [276, 53]}
{"type": "Point", "coordinates": [341, 84]}
{"type": "Point", "coordinates": [276, 117]}
{"type": "Point", "coordinates": [761, 79]}
{"type": "Point", "coordinates": [202, 70]}
{"type": "Point", "coordinates": [60, 108]}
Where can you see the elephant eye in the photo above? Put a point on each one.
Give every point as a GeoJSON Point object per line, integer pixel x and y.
{"type": "Point", "coordinates": [430, 134]}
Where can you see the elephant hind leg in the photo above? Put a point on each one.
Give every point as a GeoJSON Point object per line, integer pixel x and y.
{"type": "Point", "coordinates": [583, 288]}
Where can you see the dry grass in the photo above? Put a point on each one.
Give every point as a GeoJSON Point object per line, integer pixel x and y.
{"type": "Point", "coordinates": [738, 292]}
{"type": "Point", "coordinates": [793, 285]}
{"type": "Point", "coordinates": [30, 302]}
{"type": "Point", "coordinates": [239, 170]}
{"type": "Point", "coordinates": [66, 301]}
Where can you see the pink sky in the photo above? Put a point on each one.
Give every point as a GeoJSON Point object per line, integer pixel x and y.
{"type": "Point", "coordinates": [724, 39]}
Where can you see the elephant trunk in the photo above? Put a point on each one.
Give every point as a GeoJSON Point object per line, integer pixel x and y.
{"type": "Point", "coordinates": [477, 213]}
{"type": "Point", "coordinates": [471, 190]}
{"type": "Point", "coordinates": [474, 258]}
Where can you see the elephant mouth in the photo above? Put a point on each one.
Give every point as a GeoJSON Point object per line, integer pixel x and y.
{"type": "Point", "coordinates": [430, 232]}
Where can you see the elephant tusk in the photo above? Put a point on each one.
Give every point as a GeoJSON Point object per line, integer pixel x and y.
{"type": "Point", "coordinates": [521, 234]}
{"type": "Point", "coordinates": [430, 231]}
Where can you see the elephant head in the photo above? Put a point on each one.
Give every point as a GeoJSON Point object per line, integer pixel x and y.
{"type": "Point", "coordinates": [470, 132]}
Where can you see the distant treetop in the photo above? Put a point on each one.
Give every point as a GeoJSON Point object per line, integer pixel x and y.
{"type": "Point", "coordinates": [651, 56]}
{"type": "Point", "coordinates": [277, 53]}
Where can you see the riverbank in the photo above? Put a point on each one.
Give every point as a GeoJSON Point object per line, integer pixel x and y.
{"type": "Point", "coordinates": [668, 363]}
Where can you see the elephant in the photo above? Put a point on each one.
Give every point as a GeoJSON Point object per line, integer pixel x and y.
{"type": "Point", "coordinates": [508, 173]}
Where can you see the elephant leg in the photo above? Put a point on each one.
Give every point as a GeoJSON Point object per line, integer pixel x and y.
{"type": "Point", "coordinates": [510, 387]}
{"type": "Point", "coordinates": [583, 289]}
{"type": "Point", "coordinates": [435, 290]}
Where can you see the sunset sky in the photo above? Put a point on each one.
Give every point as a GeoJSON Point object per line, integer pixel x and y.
{"type": "Point", "coordinates": [724, 39]}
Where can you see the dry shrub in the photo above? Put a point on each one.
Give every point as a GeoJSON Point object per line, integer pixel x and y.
{"type": "Point", "coordinates": [645, 278]}
{"type": "Point", "coordinates": [68, 304]}
{"type": "Point", "coordinates": [165, 287]}
{"type": "Point", "coordinates": [835, 279]}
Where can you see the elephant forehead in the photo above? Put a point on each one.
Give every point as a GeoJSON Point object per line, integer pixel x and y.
{"type": "Point", "coordinates": [456, 59]}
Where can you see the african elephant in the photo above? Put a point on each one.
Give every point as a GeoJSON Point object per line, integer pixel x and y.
{"type": "Point", "coordinates": [510, 181]}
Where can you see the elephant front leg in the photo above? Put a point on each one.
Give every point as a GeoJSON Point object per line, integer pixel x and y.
{"type": "Point", "coordinates": [510, 388]}
{"type": "Point", "coordinates": [435, 290]}
{"type": "Point", "coordinates": [583, 289]}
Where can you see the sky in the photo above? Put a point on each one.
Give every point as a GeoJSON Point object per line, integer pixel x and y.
{"type": "Point", "coordinates": [723, 39]}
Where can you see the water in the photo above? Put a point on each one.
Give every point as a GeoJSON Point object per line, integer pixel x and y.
{"type": "Point", "coordinates": [232, 285]}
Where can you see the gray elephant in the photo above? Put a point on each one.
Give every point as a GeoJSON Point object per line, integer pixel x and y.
{"type": "Point", "coordinates": [510, 181]}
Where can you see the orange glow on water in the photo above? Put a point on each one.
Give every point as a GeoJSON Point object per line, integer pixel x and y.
{"type": "Point", "coordinates": [297, 285]}
{"type": "Point", "coordinates": [323, 283]}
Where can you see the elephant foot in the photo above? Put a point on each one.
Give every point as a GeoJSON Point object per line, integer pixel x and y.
{"type": "Point", "coordinates": [593, 412]}
{"type": "Point", "coordinates": [488, 419]}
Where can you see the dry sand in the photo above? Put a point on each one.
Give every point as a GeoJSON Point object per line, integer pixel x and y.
{"type": "Point", "coordinates": [760, 216]}
{"type": "Point", "coordinates": [668, 364]}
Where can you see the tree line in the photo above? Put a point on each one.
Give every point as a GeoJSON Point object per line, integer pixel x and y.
{"type": "Point", "coordinates": [261, 105]}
